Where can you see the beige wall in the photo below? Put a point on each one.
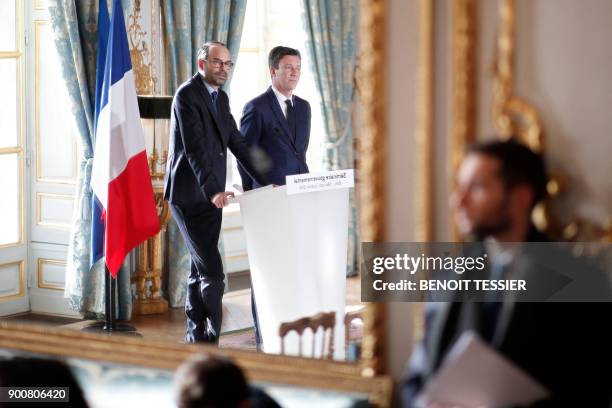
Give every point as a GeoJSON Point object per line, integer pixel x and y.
{"type": "Point", "coordinates": [564, 69]}
{"type": "Point", "coordinates": [400, 70]}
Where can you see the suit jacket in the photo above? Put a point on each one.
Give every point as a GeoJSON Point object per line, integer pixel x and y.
{"type": "Point", "coordinates": [562, 345]}
{"type": "Point", "coordinates": [199, 139]}
{"type": "Point", "coordinates": [266, 131]}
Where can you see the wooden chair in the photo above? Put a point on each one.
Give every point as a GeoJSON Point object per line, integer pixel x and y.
{"type": "Point", "coordinates": [325, 320]}
{"type": "Point", "coordinates": [348, 320]}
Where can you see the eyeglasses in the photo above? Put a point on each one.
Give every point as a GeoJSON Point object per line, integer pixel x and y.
{"type": "Point", "coordinates": [217, 63]}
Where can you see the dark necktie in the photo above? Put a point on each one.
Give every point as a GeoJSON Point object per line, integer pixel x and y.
{"type": "Point", "coordinates": [290, 117]}
{"type": "Point", "coordinates": [492, 304]}
{"type": "Point", "coordinates": [214, 95]}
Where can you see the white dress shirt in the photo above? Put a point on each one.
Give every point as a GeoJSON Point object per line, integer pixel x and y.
{"type": "Point", "coordinates": [209, 87]}
{"type": "Point", "coordinates": [281, 100]}
{"type": "Point", "coordinates": [501, 254]}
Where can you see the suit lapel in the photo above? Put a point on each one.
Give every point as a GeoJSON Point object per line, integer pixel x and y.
{"type": "Point", "coordinates": [221, 113]}
{"type": "Point", "coordinates": [437, 332]}
{"type": "Point", "coordinates": [280, 118]}
{"type": "Point", "coordinates": [519, 270]}
{"type": "Point", "coordinates": [503, 322]}
{"type": "Point", "coordinates": [451, 320]}
{"type": "Point", "coordinates": [208, 103]}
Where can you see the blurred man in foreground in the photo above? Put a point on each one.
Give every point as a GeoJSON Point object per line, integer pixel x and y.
{"type": "Point", "coordinates": [216, 382]}
{"type": "Point", "coordinates": [564, 346]}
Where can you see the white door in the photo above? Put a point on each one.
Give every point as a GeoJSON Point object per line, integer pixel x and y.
{"type": "Point", "coordinates": [13, 248]}
{"type": "Point", "coordinates": [53, 171]}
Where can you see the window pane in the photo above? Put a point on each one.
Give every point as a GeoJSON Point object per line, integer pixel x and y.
{"type": "Point", "coordinates": [7, 25]}
{"type": "Point", "coordinates": [41, 4]}
{"type": "Point", "coordinates": [10, 214]}
{"type": "Point", "coordinates": [56, 121]}
{"type": "Point", "coordinates": [250, 35]}
{"type": "Point", "coordinates": [245, 86]}
{"type": "Point", "coordinates": [248, 81]}
{"type": "Point", "coordinates": [8, 102]}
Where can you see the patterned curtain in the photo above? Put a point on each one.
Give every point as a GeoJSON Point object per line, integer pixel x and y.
{"type": "Point", "coordinates": [190, 23]}
{"type": "Point", "coordinates": [187, 24]}
{"type": "Point", "coordinates": [75, 27]}
{"type": "Point", "coordinates": [331, 27]}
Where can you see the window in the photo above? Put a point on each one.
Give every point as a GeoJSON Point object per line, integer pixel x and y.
{"type": "Point", "coordinates": [52, 135]}
{"type": "Point", "coordinates": [11, 125]}
{"type": "Point", "coordinates": [13, 249]}
{"type": "Point", "coordinates": [52, 164]}
{"type": "Point", "coordinates": [269, 23]}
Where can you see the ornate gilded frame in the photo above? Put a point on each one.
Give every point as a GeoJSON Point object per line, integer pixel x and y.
{"type": "Point", "coordinates": [424, 122]}
{"type": "Point", "coordinates": [372, 155]}
{"type": "Point", "coordinates": [293, 371]}
{"type": "Point", "coordinates": [368, 375]}
{"type": "Point", "coordinates": [511, 114]}
{"type": "Point", "coordinates": [463, 122]}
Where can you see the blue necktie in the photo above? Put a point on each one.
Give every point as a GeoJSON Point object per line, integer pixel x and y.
{"type": "Point", "coordinates": [214, 95]}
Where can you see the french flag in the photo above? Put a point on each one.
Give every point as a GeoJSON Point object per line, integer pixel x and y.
{"type": "Point", "coordinates": [120, 177]}
{"type": "Point", "coordinates": [97, 223]}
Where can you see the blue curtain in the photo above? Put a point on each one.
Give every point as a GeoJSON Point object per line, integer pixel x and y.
{"type": "Point", "coordinates": [190, 23]}
{"type": "Point", "coordinates": [187, 24]}
{"type": "Point", "coordinates": [75, 28]}
{"type": "Point", "coordinates": [331, 28]}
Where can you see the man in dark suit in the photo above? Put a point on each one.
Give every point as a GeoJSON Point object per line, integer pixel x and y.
{"type": "Point", "coordinates": [276, 126]}
{"type": "Point", "coordinates": [202, 130]}
{"type": "Point", "coordinates": [562, 345]}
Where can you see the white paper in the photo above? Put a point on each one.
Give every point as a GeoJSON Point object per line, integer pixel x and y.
{"type": "Point", "coordinates": [328, 180]}
{"type": "Point", "coordinates": [473, 375]}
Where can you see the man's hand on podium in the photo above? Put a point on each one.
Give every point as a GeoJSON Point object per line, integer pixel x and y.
{"type": "Point", "coordinates": [220, 199]}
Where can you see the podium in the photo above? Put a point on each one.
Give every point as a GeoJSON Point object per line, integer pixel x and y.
{"type": "Point", "coordinates": [297, 246]}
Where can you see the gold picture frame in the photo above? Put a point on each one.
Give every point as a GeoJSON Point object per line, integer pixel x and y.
{"type": "Point", "coordinates": [293, 371]}
{"type": "Point", "coordinates": [367, 376]}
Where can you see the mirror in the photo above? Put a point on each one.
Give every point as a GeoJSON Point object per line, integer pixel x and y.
{"type": "Point", "coordinates": [47, 266]}
{"type": "Point", "coordinates": [112, 369]}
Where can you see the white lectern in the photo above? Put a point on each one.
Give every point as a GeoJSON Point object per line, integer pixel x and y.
{"type": "Point", "coordinates": [297, 246]}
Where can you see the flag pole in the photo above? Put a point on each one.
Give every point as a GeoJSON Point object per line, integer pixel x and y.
{"type": "Point", "coordinates": [109, 302]}
{"type": "Point", "coordinates": [127, 151]}
{"type": "Point", "coordinates": [109, 325]}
